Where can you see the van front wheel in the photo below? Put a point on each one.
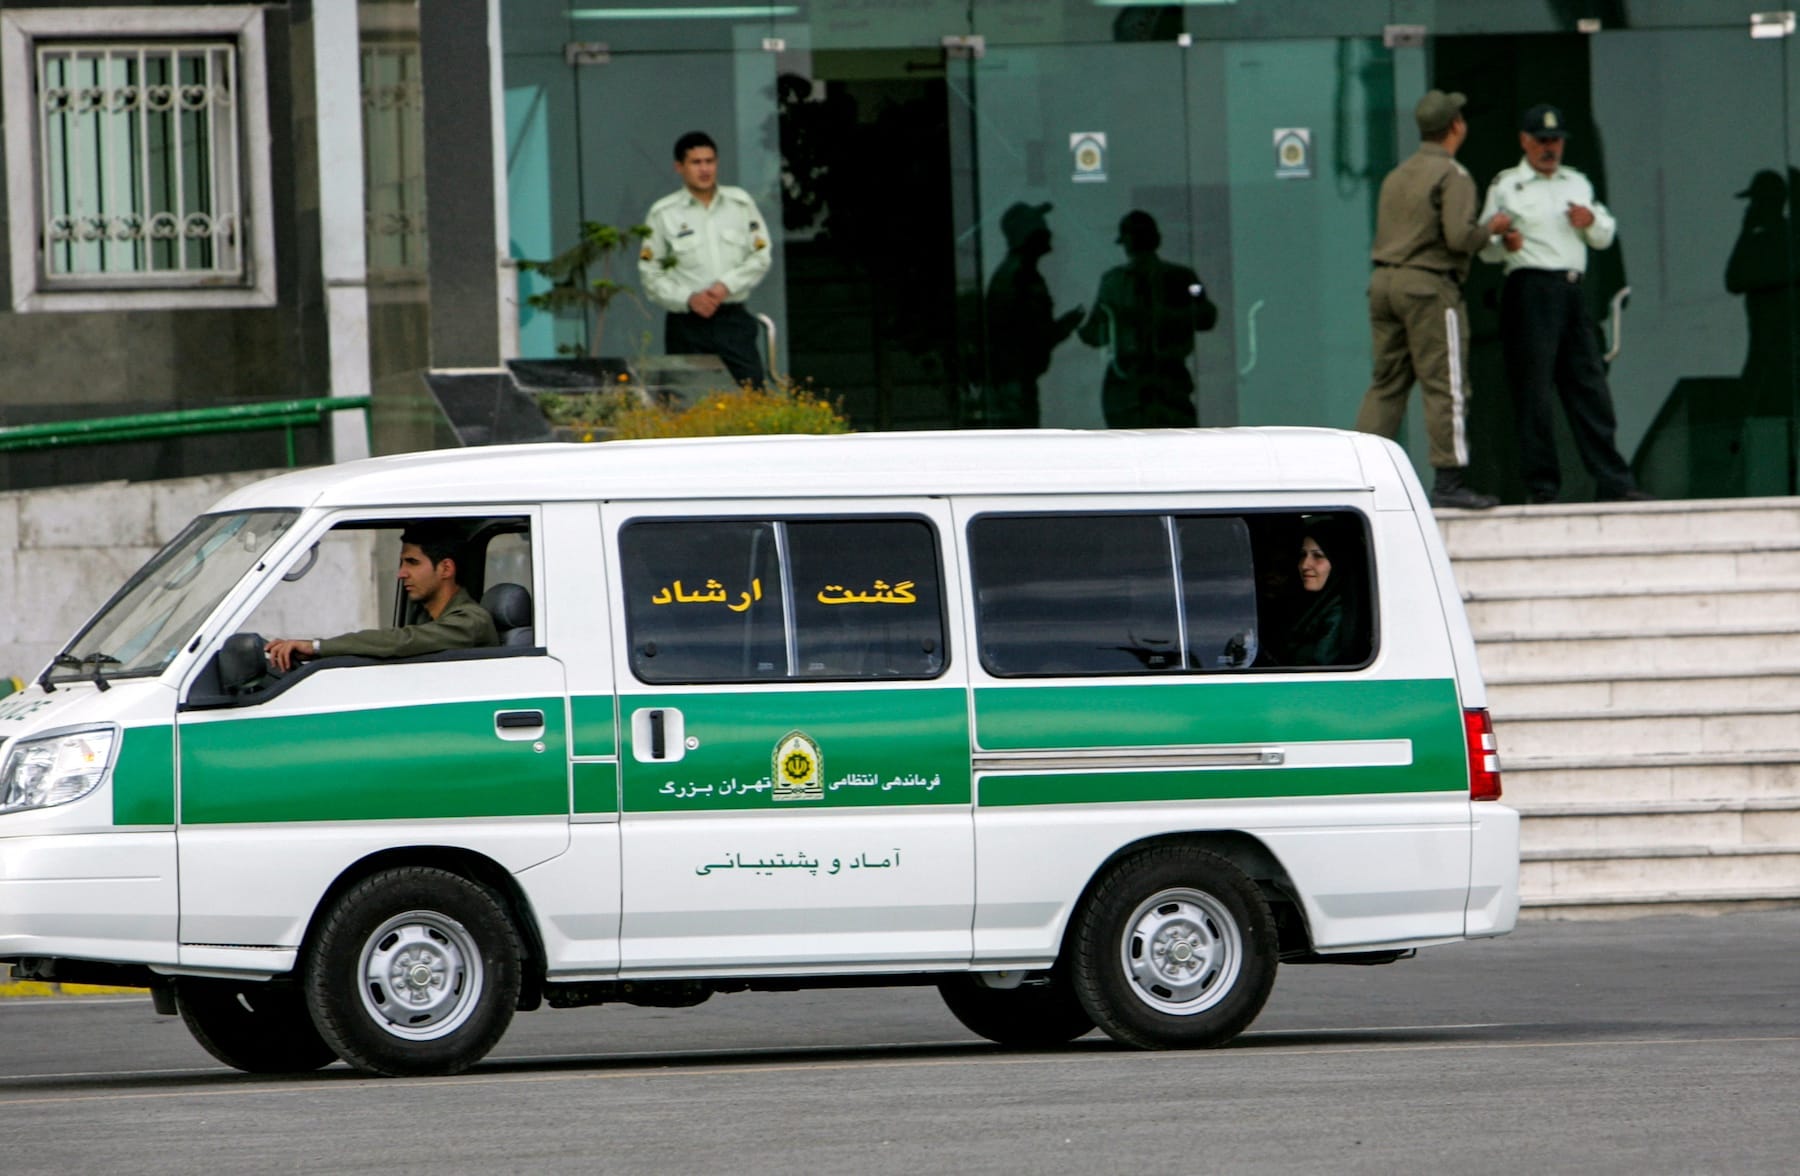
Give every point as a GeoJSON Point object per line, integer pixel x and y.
{"type": "Point", "coordinates": [1175, 949]}
{"type": "Point", "coordinates": [415, 971]}
{"type": "Point", "coordinates": [258, 1028]}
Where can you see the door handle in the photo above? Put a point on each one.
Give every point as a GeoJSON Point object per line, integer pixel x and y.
{"type": "Point", "coordinates": [658, 735]}
{"type": "Point", "coordinates": [514, 720]}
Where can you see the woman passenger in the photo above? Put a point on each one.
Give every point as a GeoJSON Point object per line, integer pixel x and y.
{"type": "Point", "coordinates": [1330, 621]}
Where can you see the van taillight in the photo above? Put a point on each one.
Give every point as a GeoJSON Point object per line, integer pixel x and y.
{"type": "Point", "coordinates": [1484, 755]}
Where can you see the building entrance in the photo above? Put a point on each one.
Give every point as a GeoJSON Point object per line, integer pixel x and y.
{"type": "Point", "coordinates": [868, 235]}
{"type": "Point", "coordinates": [1697, 298]}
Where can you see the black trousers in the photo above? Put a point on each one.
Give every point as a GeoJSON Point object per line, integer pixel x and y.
{"type": "Point", "coordinates": [729, 334]}
{"type": "Point", "coordinates": [1553, 353]}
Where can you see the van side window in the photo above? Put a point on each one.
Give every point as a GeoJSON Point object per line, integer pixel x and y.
{"type": "Point", "coordinates": [866, 601]}
{"type": "Point", "coordinates": [1075, 594]}
{"type": "Point", "coordinates": [703, 601]}
{"type": "Point", "coordinates": [1151, 594]}
{"type": "Point", "coordinates": [776, 600]}
{"type": "Point", "coordinates": [1218, 591]}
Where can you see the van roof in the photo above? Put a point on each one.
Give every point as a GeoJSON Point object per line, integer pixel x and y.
{"type": "Point", "coordinates": [992, 462]}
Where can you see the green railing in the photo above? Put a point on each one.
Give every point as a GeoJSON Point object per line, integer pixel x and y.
{"type": "Point", "coordinates": [286, 415]}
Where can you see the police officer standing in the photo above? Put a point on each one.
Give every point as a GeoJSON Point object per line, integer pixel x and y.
{"type": "Point", "coordinates": [1145, 315]}
{"type": "Point", "coordinates": [1551, 343]}
{"type": "Point", "coordinates": [1426, 235]}
{"type": "Point", "coordinates": [708, 248]}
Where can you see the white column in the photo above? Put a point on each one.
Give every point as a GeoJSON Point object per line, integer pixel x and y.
{"type": "Point", "coordinates": [505, 273]}
{"type": "Point", "coordinates": [337, 70]}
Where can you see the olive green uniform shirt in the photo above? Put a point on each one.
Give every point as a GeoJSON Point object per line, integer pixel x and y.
{"type": "Point", "coordinates": [1426, 216]}
{"type": "Point", "coordinates": [462, 625]}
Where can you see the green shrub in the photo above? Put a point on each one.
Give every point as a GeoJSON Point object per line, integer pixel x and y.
{"type": "Point", "coordinates": [586, 410]}
{"type": "Point", "coordinates": [786, 407]}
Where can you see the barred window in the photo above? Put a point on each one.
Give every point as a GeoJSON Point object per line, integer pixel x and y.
{"type": "Point", "coordinates": [393, 102]}
{"type": "Point", "coordinates": [140, 177]}
{"type": "Point", "coordinates": [138, 149]}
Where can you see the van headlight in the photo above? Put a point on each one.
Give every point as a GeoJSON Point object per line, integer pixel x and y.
{"type": "Point", "coordinates": [56, 769]}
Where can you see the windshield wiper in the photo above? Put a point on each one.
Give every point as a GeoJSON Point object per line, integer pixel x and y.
{"type": "Point", "coordinates": [61, 659]}
{"type": "Point", "coordinates": [98, 660]}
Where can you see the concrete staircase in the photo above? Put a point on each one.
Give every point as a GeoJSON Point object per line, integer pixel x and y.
{"type": "Point", "coordinates": [1643, 667]}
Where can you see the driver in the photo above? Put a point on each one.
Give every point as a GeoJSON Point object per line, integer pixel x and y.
{"type": "Point", "coordinates": [440, 615]}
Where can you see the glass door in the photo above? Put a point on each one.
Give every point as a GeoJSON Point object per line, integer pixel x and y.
{"type": "Point", "coordinates": [1046, 167]}
{"type": "Point", "coordinates": [1696, 298]}
{"type": "Point", "coordinates": [595, 99]}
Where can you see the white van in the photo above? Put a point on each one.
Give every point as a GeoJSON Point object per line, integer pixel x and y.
{"type": "Point", "coordinates": [1085, 729]}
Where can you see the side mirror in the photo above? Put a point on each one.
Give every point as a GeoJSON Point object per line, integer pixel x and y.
{"type": "Point", "coordinates": [241, 662]}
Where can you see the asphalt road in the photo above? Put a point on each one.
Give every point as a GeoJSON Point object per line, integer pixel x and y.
{"type": "Point", "coordinates": [1643, 1046]}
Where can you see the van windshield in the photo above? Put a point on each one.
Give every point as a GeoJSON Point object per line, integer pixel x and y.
{"type": "Point", "coordinates": [148, 621]}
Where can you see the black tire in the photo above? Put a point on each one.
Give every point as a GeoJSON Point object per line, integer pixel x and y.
{"type": "Point", "coordinates": [1031, 1016]}
{"type": "Point", "coordinates": [258, 1028]}
{"type": "Point", "coordinates": [413, 972]}
{"type": "Point", "coordinates": [1175, 949]}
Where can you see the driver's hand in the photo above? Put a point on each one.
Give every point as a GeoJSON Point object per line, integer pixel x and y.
{"type": "Point", "coordinates": [285, 653]}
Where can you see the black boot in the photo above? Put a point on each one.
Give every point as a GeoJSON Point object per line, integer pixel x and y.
{"type": "Point", "coordinates": [1450, 490]}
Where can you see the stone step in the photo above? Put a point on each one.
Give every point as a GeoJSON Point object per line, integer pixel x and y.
{"type": "Point", "coordinates": [1583, 875]}
{"type": "Point", "coordinates": [1624, 527]}
{"type": "Point", "coordinates": [1516, 616]}
{"type": "Point", "coordinates": [1650, 779]}
{"type": "Point", "coordinates": [1552, 571]}
{"type": "Point", "coordinates": [1599, 733]}
{"type": "Point", "coordinates": [1688, 902]}
{"type": "Point", "coordinates": [1604, 654]}
{"type": "Point", "coordinates": [1727, 690]}
{"type": "Point", "coordinates": [1715, 826]}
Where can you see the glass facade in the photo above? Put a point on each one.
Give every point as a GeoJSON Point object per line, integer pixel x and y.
{"type": "Point", "coordinates": [949, 184]}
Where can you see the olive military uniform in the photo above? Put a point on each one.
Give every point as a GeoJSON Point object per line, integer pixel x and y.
{"type": "Point", "coordinates": [1425, 235]}
{"type": "Point", "coordinates": [462, 625]}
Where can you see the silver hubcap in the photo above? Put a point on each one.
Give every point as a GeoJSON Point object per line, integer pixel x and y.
{"type": "Point", "coordinates": [421, 975]}
{"type": "Point", "coordinates": [1182, 951]}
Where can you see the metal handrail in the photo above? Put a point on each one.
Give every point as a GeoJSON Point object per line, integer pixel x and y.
{"type": "Point", "coordinates": [768, 325]}
{"type": "Point", "coordinates": [147, 426]}
{"type": "Point", "coordinates": [1617, 316]}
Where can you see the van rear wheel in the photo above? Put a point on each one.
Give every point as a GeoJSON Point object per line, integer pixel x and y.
{"type": "Point", "coordinates": [1175, 949]}
{"type": "Point", "coordinates": [259, 1028]}
{"type": "Point", "coordinates": [415, 971]}
{"type": "Point", "coordinates": [1030, 1016]}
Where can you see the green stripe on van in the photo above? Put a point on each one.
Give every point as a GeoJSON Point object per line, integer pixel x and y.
{"type": "Point", "coordinates": [1214, 784]}
{"type": "Point", "coordinates": [878, 747]}
{"type": "Point", "coordinates": [144, 776]}
{"type": "Point", "coordinates": [1185, 714]}
{"type": "Point", "coordinates": [596, 788]}
{"type": "Point", "coordinates": [593, 725]}
{"type": "Point", "coordinates": [384, 763]}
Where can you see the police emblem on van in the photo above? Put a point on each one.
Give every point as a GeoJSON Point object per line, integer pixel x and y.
{"type": "Point", "coordinates": [799, 768]}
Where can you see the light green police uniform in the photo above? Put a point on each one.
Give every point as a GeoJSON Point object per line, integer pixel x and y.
{"type": "Point", "coordinates": [692, 245]}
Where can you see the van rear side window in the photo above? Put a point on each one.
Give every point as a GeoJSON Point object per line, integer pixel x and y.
{"type": "Point", "coordinates": [738, 600]}
{"type": "Point", "coordinates": [1152, 594]}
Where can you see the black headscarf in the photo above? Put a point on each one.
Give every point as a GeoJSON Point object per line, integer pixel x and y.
{"type": "Point", "coordinates": [1331, 626]}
